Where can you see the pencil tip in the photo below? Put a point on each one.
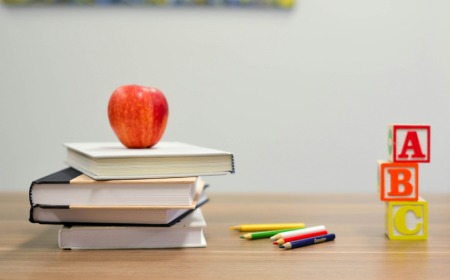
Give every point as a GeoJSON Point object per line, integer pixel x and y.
{"type": "Point", "coordinates": [241, 237]}
{"type": "Point", "coordinates": [231, 227]}
{"type": "Point", "coordinates": [275, 243]}
{"type": "Point", "coordinates": [282, 246]}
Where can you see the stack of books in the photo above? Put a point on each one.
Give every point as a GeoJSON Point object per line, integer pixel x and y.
{"type": "Point", "coordinates": [117, 198]}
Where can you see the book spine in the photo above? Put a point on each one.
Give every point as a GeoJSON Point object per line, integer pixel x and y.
{"type": "Point", "coordinates": [31, 219]}
{"type": "Point", "coordinates": [232, 163]}
{"type": "Point", "coordinates": [30, 195]}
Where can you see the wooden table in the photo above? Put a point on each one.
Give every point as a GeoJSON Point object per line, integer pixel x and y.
{"type": "Point", "coordinates": [360, 251]}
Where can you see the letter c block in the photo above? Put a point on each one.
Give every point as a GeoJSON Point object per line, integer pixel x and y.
{"type": "Point", "coordinates": [407, 220]}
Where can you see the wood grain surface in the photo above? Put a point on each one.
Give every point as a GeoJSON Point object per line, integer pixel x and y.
{"type": "Point", "coordinates": [360, 251]}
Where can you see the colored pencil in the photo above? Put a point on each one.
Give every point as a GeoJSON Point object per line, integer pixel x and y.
{"type": "Point", "coordinates": [308, 241]}
{"type": "Point", "coordinates": [298, 237]}
{"type": "Point", "coordinates": [265, 234]}
{"type": "Point", "coordinates": [298, 232]}
{"type": "Point", "coordinates": [264, 227]}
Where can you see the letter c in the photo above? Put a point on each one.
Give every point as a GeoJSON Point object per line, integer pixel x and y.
{"type": "Point", "coordinates": [400, 219]}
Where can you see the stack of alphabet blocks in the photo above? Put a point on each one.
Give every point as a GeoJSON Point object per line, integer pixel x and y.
{"type": "Point", "coordinates": [398, 181]}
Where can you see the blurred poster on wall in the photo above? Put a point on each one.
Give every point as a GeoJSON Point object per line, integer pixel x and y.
{"type": "Point", "coordinates": [284, 4]}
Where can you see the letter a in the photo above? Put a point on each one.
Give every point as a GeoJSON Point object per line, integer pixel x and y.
{"type": "Point", "coordinates": [415, 145]}
{"type": "Point", "coordinates": [395, 181]}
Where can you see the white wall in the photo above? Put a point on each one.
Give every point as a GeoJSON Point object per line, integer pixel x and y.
{"type": "Point", "coordinates": [302, 97]}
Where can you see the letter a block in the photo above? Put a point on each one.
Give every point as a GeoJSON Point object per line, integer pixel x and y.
{"type": "Point", "coordinates": [398, 181]}
{"type": "Point", "coordinates": [407, 220]}
{"type": "Point", "coordinates": [408, 143]}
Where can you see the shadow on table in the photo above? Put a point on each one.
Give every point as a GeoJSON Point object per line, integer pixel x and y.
{"type": "Point", "coordinates": [45, 240]}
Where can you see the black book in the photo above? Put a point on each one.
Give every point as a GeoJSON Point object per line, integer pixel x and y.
{"type": "Point", "coordinates": [72, 198]}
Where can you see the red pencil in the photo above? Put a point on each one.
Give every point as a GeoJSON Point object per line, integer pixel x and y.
{"type": "Point", "coordinates": [298, 237]}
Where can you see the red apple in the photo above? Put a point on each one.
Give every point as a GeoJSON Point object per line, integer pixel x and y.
{"type": "Point", "coordinates": [138, 115]}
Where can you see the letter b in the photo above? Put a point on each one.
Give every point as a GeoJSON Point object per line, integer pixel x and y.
{"type": "Point", "coordinates": [398, 181]}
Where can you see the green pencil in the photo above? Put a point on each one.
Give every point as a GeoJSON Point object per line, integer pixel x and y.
{"type": "Point", "coordinates": [265, 234]}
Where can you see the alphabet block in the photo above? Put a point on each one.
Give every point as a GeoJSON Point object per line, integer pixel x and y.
{"type": "Point", "coordinates": [398, 181]}
{"type": "Point", "coordinates": [407, 220]}
{"type": "Point", "coordinates": [408, 143]}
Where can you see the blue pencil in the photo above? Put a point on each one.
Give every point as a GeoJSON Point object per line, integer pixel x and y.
{"type": "Point", "coordinates": [308, 241]}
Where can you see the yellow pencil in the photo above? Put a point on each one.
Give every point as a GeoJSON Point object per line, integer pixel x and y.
{"type": "Point", "coordinates": [263, 227]}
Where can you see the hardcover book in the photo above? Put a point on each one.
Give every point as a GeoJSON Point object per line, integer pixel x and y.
{"type": "Point", "coordinates": [187, 233]}
{"type": "Point", "coordinates": [69, 188]}
{"type": "Point", "coordinates": [110, 161]}
{"type": "Point", "coordinates": [111, 217]}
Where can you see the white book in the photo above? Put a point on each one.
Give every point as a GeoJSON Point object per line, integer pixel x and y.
{"type": "Point", "coordinates": [109, 161]}
{"type": "Point", "coordinates": [161, 217]}
{"type": "Point", "coordinates": [187, 233]}
{"type": "Point", "coordinates": [69, 187]}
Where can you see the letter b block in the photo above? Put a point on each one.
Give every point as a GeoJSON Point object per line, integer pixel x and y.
{"type": "Point", "coordinates": [408, 143]}
{"type": "Point", "coordinates": [407, 220]}
{"type": "Point", "coordinates": [398, 181]}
